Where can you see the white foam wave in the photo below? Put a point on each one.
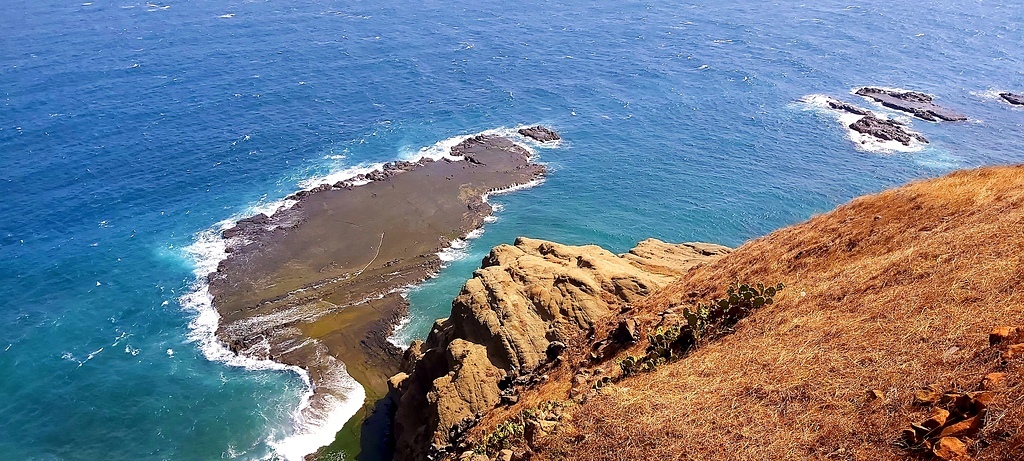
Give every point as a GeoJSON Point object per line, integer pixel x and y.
{"type": "Point", "coordinates": [994, 95]}
{"type": "Point", "coordinates": [312, 428]}
{"type": "Point", "coordinates": [819, 103]}
{"type": "Point", "coordinates": [319, 428]}
{"type": "Point", "coordinates": [990, 94]}
{"type": "Point", "coordinates": [510, 189]}
{"type": "Point", "coordinates": [341, 175]}
{"type": "Point", "coordinates": [437, 151]}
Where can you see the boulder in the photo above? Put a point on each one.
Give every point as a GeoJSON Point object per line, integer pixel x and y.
{"type": "Point", "coordinates": [539, 133]}
{"type": "Point", "coordinates": [628, 332]}
{"type": "Point", "coordinates": [555, 349]}
{"type": "Point", "coordinates": [950, 449]}
{"type": "Point", "coordinates": [1000, 335]}
{"type": "Point", "coordinates": [993, 381]}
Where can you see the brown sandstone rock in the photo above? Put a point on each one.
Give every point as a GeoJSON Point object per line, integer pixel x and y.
{"type": "Point", "coordinates": [1000, 334]}
{"type": "Point", "coordinates": [951, 449]}
{"type": "Point", "coordinates": [927, 396]}
{"type": "Point", "coordinates": [470, 388]}
{"type": "Point", "coordinates": [628, 332]}
{"type": "Point", "coordinates": [937, 420]}
{"type": "Point", "coordinates": [470, 456]}
{"type": "Point", "coordinates": [993, 381]}
{"type": "Point", "coordinates": [533, 433]}
{"type": "Point", "coordinates": [1014, 351]}
{"type": "Point", "coordinates": [966, 428]}
{"type": "Point", "coordinates": [524, 298]}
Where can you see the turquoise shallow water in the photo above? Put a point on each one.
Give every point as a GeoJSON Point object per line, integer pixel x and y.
{"type": "Point", "coordinates": [127, 129]}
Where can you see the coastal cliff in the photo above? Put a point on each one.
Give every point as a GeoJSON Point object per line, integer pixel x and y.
{"type": "Point", "coordinates": [896, 332]}
{"type": "Point", "coordinates": [524, 306]}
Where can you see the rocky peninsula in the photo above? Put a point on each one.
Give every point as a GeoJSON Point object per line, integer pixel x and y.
{"type": "Point", "coordinates": [317, 285]}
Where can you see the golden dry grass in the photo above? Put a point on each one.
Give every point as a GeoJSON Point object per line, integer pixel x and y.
{"type": "Point", "coordinates": [892, 291]}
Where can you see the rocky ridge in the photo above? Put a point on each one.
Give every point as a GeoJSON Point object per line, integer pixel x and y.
{"type": "Point", "coordinates": [920, 105]}
{"type": "Point", "coordinates": [513, 319]}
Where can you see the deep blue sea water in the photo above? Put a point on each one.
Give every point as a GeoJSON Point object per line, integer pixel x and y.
{"type": "Point", "coordinates": [128, 129]}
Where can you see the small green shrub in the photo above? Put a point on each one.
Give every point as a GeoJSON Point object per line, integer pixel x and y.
{"type": "Point", "coordinates": [509, 433]}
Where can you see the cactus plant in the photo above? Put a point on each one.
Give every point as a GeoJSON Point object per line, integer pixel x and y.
{"type": "Point", "coordinates": [668, 344]}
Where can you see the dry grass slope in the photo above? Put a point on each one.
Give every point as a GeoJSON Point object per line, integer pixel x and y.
{"type": "Point", "coordinates": [892, 292]}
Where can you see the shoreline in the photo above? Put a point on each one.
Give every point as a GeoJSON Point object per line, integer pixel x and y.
{"type": "Point", "coordinates": [307, 340]}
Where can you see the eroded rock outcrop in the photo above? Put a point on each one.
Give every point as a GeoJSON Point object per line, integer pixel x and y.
{"type": "Point", "coordinates": [524, 299]}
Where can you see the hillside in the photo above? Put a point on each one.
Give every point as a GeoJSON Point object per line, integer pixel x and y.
{"type": "Point", "coordinates": [890, 296]}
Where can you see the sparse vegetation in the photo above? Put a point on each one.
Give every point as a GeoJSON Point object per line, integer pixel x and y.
{"type": "Point", "coordinates": [510, 432]}
{"type": "Point", "coordinates": [668, 344]}
{"type": "Point", "coordinates": [885, 295]}
{"type": "Point", "coordinates": [505, 435]}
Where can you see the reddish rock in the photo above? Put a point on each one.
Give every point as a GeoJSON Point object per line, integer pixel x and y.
{"type": "Point", "coordinates": [1000, 334]}
{"type": "Point", "coordinates": [951, 449]}
{"type": "Point", "coordinates": [993, 381]}
{"type": "Point", "coordinates": [937, 420]}
{"type": "Point", "coordinates": [927, 396]}
{"type": "Point", "coordinates": [966, 428]}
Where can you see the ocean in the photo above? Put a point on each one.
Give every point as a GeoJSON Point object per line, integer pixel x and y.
{"type": "Point", "coordinates": [130, 132]}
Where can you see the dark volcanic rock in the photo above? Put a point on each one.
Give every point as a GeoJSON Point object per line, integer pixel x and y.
{"type": "Point", "coordinates": [918, 104]}
{"type": "Point", "coordinates": [845, 107]}
{"type": "Point", "coordinates": [1015, 99]}
{"type": "Point", "coordinates": [539, 133]}
{"type": "Point", "coordinates": [249, 225]}
{"type": "Point", "coordinates": [886, 130]}
{"type": "Point", "coordinates": [870, 124]}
